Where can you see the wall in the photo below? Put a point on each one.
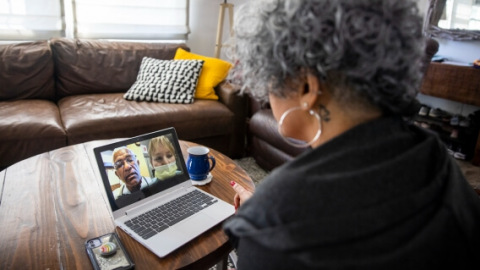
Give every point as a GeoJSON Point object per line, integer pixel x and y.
{"type": "Point", "coordinates": [203, 25]}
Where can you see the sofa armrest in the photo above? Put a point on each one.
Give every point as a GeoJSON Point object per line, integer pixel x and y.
{"type": "Point", "coordinates": [229, 94]}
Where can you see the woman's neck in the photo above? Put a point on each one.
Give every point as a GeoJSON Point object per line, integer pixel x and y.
{"type": "Point", "coordinates": [342, 119]}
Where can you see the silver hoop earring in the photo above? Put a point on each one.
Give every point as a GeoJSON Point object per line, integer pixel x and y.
{"type": "Point", "coordinates": [295, 142]}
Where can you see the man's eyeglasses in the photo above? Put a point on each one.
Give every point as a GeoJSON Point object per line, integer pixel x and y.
{"type": "Point", "coordinates": [119, 163]}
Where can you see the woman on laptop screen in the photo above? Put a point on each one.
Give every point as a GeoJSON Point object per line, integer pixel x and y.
{"type": "Point", "coordinates": [163, 158]}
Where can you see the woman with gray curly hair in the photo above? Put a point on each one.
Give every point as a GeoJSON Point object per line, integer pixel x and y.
{"type": "Point", "coordinates": [374, 191]}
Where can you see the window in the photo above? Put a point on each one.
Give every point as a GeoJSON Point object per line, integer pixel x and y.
{"type": "Point", "coordinates": [30, 19]}
{"type": "Point", "coordinates": [131, 19]}
{"type": "Point", "coordinates": [97, 19]}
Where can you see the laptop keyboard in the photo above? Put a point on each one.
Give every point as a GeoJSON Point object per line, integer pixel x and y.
{"type": "Point", "coordinates": [158, 219]}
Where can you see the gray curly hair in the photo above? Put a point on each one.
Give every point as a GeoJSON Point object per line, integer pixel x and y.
{"type": "Point", "coordinates": [365, 51]}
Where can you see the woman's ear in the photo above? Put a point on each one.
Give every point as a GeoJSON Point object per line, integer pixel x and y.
{"type": "Point", "coordinates": [311, 90]}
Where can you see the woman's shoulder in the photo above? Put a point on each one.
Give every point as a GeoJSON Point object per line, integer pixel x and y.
{"type": "Point", "coordinates": [283, 182]}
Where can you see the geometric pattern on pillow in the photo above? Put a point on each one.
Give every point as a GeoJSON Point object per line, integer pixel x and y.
{"type": "Point", "coordinates": [167, 81]}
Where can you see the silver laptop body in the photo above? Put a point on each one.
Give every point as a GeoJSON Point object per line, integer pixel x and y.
{"type": "Point", "coordinates": [176, 235]}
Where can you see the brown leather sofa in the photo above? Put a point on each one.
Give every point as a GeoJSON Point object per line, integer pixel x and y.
{"type": "Point", "coordinates": [66, 91]}
{"type": "Point", "coordinates": [264, 143]}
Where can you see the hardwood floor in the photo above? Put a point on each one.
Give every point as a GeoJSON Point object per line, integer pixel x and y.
{"type": "Point", "coordinates": [472, 173]}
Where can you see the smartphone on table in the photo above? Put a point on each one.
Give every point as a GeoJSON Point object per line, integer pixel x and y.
{"type": "Point", "coordinates": [106, 252]}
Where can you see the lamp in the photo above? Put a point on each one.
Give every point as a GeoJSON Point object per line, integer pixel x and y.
{"type": "Point", "coordinates": [221, 18]}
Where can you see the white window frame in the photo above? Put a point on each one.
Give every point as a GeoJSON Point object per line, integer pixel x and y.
{"type": "Point", "coordinates": [156, 20]}
{"type": "Point", "coordinates": [31, 19]}
{"type": "Point", "coordinates": [460, 14]}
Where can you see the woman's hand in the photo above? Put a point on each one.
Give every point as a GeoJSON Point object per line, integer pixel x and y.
{"type": "Point", "coordinates": [241, 194]}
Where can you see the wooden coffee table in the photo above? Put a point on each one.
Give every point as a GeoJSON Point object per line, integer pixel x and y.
{"type": "Point", "coordinates": [50, 204]}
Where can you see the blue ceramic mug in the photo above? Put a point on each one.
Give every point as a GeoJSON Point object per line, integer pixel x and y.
{"type": "Point", "coordinates": [199, 163]}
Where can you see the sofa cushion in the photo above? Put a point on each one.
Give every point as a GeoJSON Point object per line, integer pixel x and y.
{"type": "Point", "coordinates": [27, 128]}
{"type": "Point", "coordinates": [92, 66]}
{"type": "Point", "coordinates": [105, 116]}
{"type": "Point", "coordinates": [214, 71]}
{"type": "Point", "coordinates": [26, 71]}
{"type": "Point", "coordinates": [168, 81]}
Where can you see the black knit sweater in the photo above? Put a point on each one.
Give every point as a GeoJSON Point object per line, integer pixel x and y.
{"type": "Point", "coordinates": [383, 195]}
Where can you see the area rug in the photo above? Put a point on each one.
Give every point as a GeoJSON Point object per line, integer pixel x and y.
{"type": "Point", "coordinates": [253, 170]}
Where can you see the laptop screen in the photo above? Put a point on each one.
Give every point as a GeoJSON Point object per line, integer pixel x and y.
{"type": "Point", "coordinates": [139, 167]}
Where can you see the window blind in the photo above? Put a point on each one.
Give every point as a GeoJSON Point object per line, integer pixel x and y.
{"type": "Point", "coordinates": [31, 19]}
{"type": "Point", "coordinates": [131, 19]}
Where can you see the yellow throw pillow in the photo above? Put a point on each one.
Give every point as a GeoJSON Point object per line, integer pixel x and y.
{"type": "Point", "coordinates": [213, 72]}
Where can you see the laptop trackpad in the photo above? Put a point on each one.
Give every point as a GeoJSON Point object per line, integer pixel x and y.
{"type": "Point", "coordinates": [200, 222]}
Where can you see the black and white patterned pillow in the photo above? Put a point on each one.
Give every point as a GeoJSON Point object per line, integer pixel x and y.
{"type": "Point", "coordinates": [167, 81]}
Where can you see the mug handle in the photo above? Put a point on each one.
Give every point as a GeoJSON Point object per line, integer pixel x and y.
{"type": "Point", "coordinates": [213, 163]}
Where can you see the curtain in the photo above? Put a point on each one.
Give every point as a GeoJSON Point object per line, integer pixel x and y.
{"type": "Point", "coordinates": [95, 19]}
{"type": "Point", "coordinates": [31, 19]}
{"type": "Point", "coordinates": [131, 19]}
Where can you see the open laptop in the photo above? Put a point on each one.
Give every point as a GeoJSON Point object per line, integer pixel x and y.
{"type": "Point", "coordinates": [156, 195]}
